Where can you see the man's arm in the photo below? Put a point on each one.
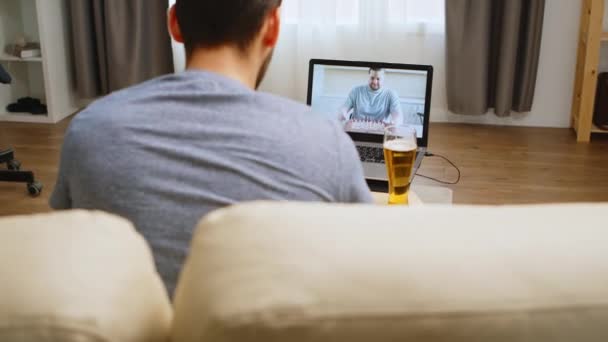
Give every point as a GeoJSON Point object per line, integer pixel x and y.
{"type": "Point", "coordinates": [396, 113]}
{"type": "Point", "coordinates": [345, 113]}
{"type": "Point", "coordinates": [396, 118]}
{"type": "Point", "coordinates": [348, 107]}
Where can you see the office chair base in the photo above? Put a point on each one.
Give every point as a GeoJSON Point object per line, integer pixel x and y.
{"type": "Point", "coordinates": [34, 189]}
{"type": "Point", "coordinates": [14, 165]}
{"type": "Point", "coordinates": [14, 175]}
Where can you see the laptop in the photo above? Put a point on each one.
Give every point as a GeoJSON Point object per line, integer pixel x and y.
{"type": "Point", "coordinates": [367, 96]}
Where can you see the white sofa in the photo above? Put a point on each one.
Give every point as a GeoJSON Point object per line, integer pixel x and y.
{"type": "Point", "coordinates": [317, 272]}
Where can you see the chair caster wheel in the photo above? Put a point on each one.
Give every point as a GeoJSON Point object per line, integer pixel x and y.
{"type": "Point", "coordinates": [34, 189]}
{"type": "Point", "coordinates": [14, 165]}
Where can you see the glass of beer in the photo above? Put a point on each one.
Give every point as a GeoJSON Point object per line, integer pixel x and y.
{"type": "Point", "coordinates": [400, 145]}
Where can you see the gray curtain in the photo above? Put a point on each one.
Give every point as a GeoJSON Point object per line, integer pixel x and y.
{"type": "Point", "coordinates": [118, 43]}
{"type": "Point", "coordinates": [493, 47]}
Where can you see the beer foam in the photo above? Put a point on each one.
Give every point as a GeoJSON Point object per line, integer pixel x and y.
{"type": "Point", "coordinates": [400, 145]}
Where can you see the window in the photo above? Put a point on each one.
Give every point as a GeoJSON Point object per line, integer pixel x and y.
{"type": "Point", "coordinates": [357, 12]}
{"type": "Point", "coordinates": [316, 12]}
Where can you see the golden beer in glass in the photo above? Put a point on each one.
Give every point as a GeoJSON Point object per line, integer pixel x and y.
{"type": "Point", "coordinates": [400, 145]}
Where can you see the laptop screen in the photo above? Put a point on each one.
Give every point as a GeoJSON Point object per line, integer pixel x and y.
{"type": "Point", "coordinates": [366, 97]}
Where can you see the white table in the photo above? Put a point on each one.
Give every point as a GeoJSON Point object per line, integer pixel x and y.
{"type": "Point", "coordinates": [422, 194]}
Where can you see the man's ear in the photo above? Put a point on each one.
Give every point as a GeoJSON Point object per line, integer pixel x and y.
{"type": "Point", "coordinates": [173, 25]}
{"type": "Point", "coordinates": [272, 28]}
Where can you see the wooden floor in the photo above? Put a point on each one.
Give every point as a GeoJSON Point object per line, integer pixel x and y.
{"type": "Point", "coordinates": [500, 165]}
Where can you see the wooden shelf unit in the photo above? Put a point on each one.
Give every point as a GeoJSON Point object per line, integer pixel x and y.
{"type": "Point", "coordinates": [48, 77]}
{"type": "Point", "coordinates": [8, 58]}
{"type": "Point", "coordinates": [595, 129]}
{"type": "Point", "coordinates": [587, 68]}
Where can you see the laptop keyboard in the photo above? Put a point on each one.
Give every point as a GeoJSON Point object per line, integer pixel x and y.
{"type": "Point", "coordinates": [371, 154]}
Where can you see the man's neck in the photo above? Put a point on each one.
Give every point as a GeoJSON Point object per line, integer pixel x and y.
{"type": "Point", "coordinates": [371, 90]}
{"type": "Point", "coordinates": [227, 61]}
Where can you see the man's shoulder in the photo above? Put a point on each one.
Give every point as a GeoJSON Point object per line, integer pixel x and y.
{"type": "Point", "coordinates": [392, 93]}
{"type": "Point", "coordinates": [105, 115]}
{"type": "Point", "coordinates": [295, 112]}
{"type": "Point", "coordinates": [360, 89]}
{"type": "Point", "coordinates": [312, 127]}
{"type": "Point", "coordinates": [275, 101]}
{"type": "Point", "coordinates": [130, 95]}
{"type": "Point", "coordinates": [97, 116]}
{"type": "Point", "coordinates": [116, 106]}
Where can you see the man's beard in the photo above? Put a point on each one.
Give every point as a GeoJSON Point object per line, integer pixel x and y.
{"type": "Point", "coordinates": [263, 70]}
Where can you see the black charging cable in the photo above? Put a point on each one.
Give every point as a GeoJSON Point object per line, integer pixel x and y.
{"type": "Point", "coordinates": [428, 154]}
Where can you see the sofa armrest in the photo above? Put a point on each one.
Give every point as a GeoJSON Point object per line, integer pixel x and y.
{"type": "Point", "coordinates": [79, 276]}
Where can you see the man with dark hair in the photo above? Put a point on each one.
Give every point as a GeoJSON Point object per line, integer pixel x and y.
{"type": "Point", "coordinates": [372, 101]}
{"type": "Point", "coordinates": [166, 152]}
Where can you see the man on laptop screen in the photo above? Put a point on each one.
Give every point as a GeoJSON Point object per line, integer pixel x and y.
{"type": "Point", "coordinates": [389, 96]}
{"type": "Point", "coordinates": [372, 102]}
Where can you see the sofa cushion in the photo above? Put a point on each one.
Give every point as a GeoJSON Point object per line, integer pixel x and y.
{"type": "Point", "coordinates": [79, 276]}
{"type": "Point", "coordinates": [317, 272]}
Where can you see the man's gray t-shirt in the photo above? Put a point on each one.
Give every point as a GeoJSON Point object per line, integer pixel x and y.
{"type": "Point", "coordinates": [166, 152]}
{"type": "Point", "coordinates": [376, 105]}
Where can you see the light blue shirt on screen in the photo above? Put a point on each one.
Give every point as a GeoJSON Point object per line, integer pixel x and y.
{"type": "Point", "coordinates": [376, 105]}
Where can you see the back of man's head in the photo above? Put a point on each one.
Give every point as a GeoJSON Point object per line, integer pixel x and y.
{"type": "Point", "coordinates": [212, 23]}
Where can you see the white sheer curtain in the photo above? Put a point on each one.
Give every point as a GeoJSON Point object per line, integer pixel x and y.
{"type": "Point", "coordinates": [397, 31]}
